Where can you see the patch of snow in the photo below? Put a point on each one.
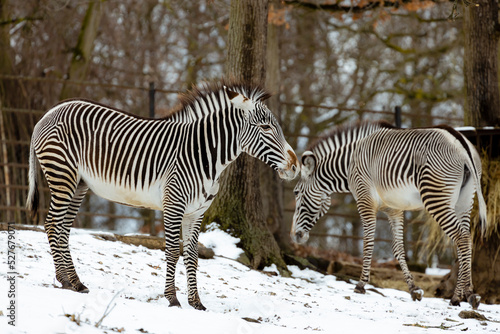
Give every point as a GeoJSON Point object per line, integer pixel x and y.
{"type": "Point", "coordinates": [271, 269]}
{"type": "Point", "coordinates": [89, 231]}
{"type": "Point", "coordinates": [221, 242]}
{"type": "Point", "coordinates": [437, 271]}
{"type": "Point", "coordinates": [128, 282]}
{"type": "Point", "coordinates": [465, 128]}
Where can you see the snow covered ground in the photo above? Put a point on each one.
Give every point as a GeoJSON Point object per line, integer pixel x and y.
{"type": "Point", "coordinates": [127, 281]}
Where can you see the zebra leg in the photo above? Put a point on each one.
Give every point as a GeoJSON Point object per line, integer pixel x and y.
{"type": "Point", "coordinates": [464, 245]}
{"type": "Point", "coordinates": [64, 237]}
{"type": "Point", "coordinates": [59, 203]}
{"type": "Point", "coordinates": [52, 231]}
{"type": "Point", "coordinates": [459, 233]}
{"type": "Point", "coordinates": [190, 232]}
{"type": "Point", "coordinates": [172, 216]}
{"type": "Point", "coordinates": [464, 288]}
{"type": "Point", "coordinates": [368, 218]}
{"type": "Point", "coordinates": [396, 220]}
{"type": "Point", "coordinates": [61, 173]}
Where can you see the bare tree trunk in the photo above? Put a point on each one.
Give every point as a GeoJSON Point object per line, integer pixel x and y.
{"type": "Point", "coordinates": [247, 40]}
{"type": "Point", "coordinates": [238, 205]}
{"type": "Point", "coordinates": [481, 63]}
{"type": "Point", "coordinates": [83, 49]}
{"type": "Point", "coordinates": [194, 60]}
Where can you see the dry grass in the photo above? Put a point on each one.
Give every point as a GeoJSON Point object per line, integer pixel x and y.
{"type": "Point", "coordinates": [491, 193]}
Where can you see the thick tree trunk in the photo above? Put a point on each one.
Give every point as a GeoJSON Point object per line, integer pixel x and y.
{"type": "Point", "coordinates": [481, 63]}
{"type": "Point", "coordinates": [483, 109]}
{"type": "Point", "coordinates": [247, 40]}
{"type": "Point", "coordinates": [238, 205]}
{"type": "Point", "coordinates": [83, 49]}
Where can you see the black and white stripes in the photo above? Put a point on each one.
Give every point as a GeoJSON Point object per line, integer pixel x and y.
{"type": "Point", "coordinates": [171, 164]}
{"type": "Point", "coordinates": [393, 170]}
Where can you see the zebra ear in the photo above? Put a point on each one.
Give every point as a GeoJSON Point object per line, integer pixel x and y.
{"type": "Point", "coordinates": [238, 100]}
{"type": "Point", "coordinates": [308, 162]}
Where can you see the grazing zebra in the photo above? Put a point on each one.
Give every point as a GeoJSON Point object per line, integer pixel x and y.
{"type": "Point", "coordinates": [394, 170]}
{"type": "Point", "coordinates": [171, 164]}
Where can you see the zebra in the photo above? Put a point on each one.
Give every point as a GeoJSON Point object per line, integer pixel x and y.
{"type": "Point", "coordinates": [394, 170]}
{"type": "Point", "coordinates": [171, 164]}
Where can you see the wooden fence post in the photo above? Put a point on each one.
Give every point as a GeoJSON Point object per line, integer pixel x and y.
{"type": "Point", "coordinates": [397, 116]}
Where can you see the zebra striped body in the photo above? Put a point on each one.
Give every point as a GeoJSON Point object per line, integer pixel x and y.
{"type": "Point", "coordinates": [171, 164]}
{"type": "Point", "coordinates": [394, 170]}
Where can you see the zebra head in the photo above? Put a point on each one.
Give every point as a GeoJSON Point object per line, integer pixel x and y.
{"type": "Point", "coordinates": [312, 199]}
{"type": "Point", "coordinates": [262, 137]}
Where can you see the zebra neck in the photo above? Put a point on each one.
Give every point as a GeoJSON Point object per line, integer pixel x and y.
{"type": "Point", "coordinates": [217, 141]}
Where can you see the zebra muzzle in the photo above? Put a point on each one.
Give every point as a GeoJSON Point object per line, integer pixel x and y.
{"type": "Point", "coordinates": [299, 237]}
{"type": "Point", "coordinates": [288, 173]}
{"type": "Point", "coordinates": [292, 168]}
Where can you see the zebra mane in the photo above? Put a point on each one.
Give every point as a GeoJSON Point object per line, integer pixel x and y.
{"type": "Point", "coordinates": [196, 102]}
{"type": "Point", "coordinates": [345, 134]}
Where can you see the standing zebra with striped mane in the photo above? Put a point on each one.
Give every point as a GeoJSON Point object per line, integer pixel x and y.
{"type": "Point", "coordinates": [393, 170]}
{"type": "Point", "coordinates": [171, 164]}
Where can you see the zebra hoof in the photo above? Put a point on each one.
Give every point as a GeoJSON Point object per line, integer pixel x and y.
{"type": "Point", "coordinates": [417, 294]}
{"type": "Point", "coordinates": [455, 301]}
{"type": "Point", "coordinates": [360, 289]}
{"type": "Point", "coordinates": [67, 286]}
{"type": "Point", "coordinates": [474, 300]}
{"type": "Point", "coordinates": [81, 288]}
{"type": "Point", "coordinates": [175, 303]}
{"type": "Point", "coordinates": [198, 306]}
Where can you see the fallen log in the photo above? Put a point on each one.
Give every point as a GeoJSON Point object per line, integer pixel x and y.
{"type": "Point", "coordinates": [5, 227]}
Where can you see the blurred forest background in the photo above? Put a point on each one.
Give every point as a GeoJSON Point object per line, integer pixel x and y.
{"type": "Point", "coordinates": [331, 64]}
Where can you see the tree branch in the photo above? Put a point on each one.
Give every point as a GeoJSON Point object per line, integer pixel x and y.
{"type": "Point", "coordinates": [18, 20]}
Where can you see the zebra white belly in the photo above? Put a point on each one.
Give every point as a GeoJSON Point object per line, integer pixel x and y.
{"type": "Point", "coordinates": [150, 197]}
{"type": "Point", "coordinates": [403, 198]}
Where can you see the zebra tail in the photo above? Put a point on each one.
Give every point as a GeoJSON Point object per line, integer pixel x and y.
{"type": "Point", "coordinates": [482, 207]}
{"type": "Point", "coordinates": [33, 197]}
{"type": "Point", "coordinates": [480, 199]}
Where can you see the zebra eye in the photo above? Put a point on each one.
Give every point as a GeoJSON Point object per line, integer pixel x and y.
{"type": "Point", "coordinates": [265, 127]}
{"type": "Point", "coordinates": [296, 192]}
